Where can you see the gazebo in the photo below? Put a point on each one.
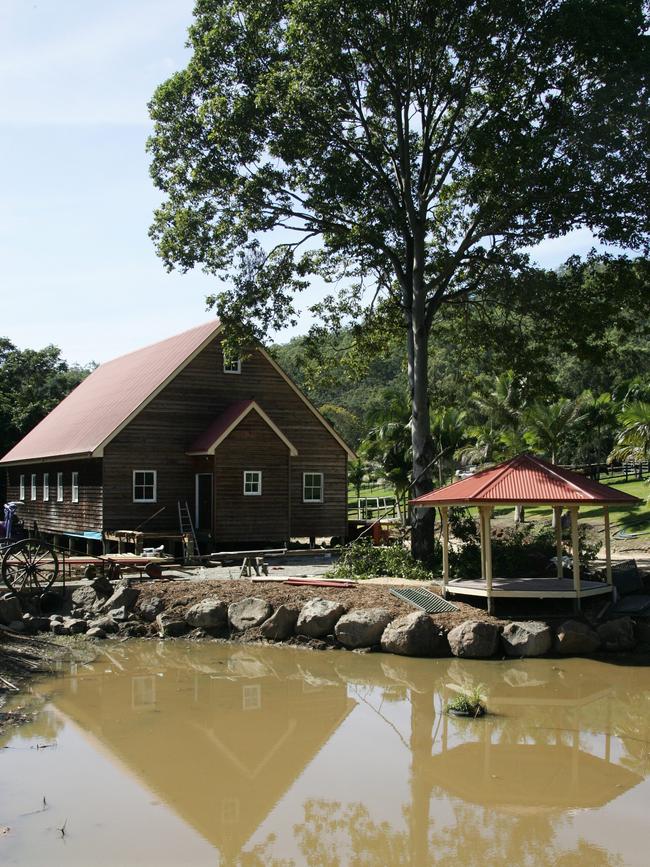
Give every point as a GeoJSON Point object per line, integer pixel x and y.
{"type": "Point", "coordinates": [526, 480]}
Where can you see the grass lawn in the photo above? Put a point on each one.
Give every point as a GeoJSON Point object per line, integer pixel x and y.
{"type": "Point", "coordinates": [378, 490]}
{"type": "Point", "coordinates": [632, 520]}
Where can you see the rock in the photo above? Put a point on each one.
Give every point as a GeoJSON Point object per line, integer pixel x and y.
{"type": "Point", "coordinates": [151, 608]}
{"type": "Point", "coordinates": [413, 635]}
{"type": "Point", "coordinates": [281, 624]}
{"type": "Point", "coordinates": [575, 637]}
{"type": "Point", "coordinates": [84, 597]}
{"type": "Point", "coordinates": [617, 635]}
{"type": "Point", "coordinates": [208, 614]}
{"type": "Point", "coordinates": [54, 617]}
{"type": "Point", "coordinates": [474, 639]}
{"type": "Point", "coordinates": [133, 630]}
{"type": "Point", "coordinates": [170, 625]}
{"type": "Point", "coordinates": [95, 632]}
{"type": "Point", "coordinates": [123, 596]}
{"type": "Point", "coordinates": [57, 628]}
{"type": "Point", "coordinates": [37, 623]}
{"type": "Point", "coordinates": [248, 613]}
{"type": "Point", "coordinates": [530, 638]}
{"type": "Point", "coordinates": [105, 623]}
{"type": "Point", "coordinates": [17, 626]}
{"type": "Point", "coordinates": [75, 625]}
{"type": "Point", "coordinates": [362, 627]}
{"type": "Point", "coordinates": [120, 615]}
{"type": "Point", "coordinates": [10, 609]}
{"type": "Point", "coordinates": [318, 618]}
{"type": "Point", "coordinates": [643, 631]}
{"type": "Point", "coordinates": [100, 584]}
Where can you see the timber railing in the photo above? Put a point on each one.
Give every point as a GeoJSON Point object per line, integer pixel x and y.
{"type": "Point", "coordinates": [612, 474]}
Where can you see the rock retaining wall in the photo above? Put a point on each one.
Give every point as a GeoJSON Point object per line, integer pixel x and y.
{"type": "Point", "coordinates": [100, 612]}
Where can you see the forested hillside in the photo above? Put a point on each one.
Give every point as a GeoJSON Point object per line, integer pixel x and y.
{"type": "Point", "coordinates": [548, 374]}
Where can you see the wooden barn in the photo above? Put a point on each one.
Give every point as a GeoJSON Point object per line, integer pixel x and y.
{"type": "Point", "coordinates": [239, 442]}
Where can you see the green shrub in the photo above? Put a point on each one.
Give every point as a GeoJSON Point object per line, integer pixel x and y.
{"type": "Point", "coordinates": [362, 559]}
{"type": "Point", "coordinates": [516, 551]}
{"type": "Point", "coordinates": [469, 701]}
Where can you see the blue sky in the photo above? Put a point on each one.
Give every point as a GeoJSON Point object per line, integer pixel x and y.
{"type": "Point", "coordinates": [78, 268]}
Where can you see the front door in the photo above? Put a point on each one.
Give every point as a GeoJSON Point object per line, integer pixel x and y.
{"type": "Point", "coordinates": [203, 501]}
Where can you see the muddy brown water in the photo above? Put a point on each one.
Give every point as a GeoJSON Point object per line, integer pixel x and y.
{"type": "Point", "coordinates": [163, 753]}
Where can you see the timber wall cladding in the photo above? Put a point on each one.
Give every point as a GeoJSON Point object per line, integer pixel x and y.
{"type": "Point", "coordinates": [159, 436]}
{"type": "Point", "coordinates": [64, 516]}
{"type": "Point", "coordinates": [239, 518]}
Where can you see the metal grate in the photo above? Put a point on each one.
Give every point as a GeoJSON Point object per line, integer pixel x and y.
{"type": "Point", "coordinates": [425, 600]}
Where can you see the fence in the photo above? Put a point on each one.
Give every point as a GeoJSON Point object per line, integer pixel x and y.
{"type": "Point", "coordinates": [374, 507]}
{"type": "Point", "coordinates": [614, 474]}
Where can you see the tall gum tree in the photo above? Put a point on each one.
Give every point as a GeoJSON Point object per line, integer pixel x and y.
{"type": "Point", "coordinates": [407, 149]}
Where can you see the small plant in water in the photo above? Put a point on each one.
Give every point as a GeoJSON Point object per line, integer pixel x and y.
{"type": "Point", "coordinates": [470, 702]}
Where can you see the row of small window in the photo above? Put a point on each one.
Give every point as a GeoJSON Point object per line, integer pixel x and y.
{"type": "Point", "coordinates": [74, 486]}
{"type": "Point", "coordinates": [145, 485]}
{"type": "Point", "coordinates": [312, 485]}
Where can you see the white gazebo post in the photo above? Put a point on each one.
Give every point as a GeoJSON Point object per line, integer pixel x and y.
{"type": "Point", "coordinates": [608, 546]}
{"type": "Point", "coordinates": [486, 545]}
{"type": "Point", "coordinates": [575, 546]}
{"type": "Point", "coordinates": [444, 516]}
{"type": "Point", "coordinates": [557, 513]}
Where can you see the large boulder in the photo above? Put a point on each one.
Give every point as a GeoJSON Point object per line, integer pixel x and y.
{"type": "Point", "coordinates": [123, 595]}
{"type": "Point", "coordinates": [105, 623]}
{"type": "Point", "coordinates": [318, 618]}
{"type": "Point", "coordinates": [208, 614]}
{"type": "Point", "coordinates": [74, 625]}
{"type": "Point", "coordinates": [574, 637]}
{"type": "Point", "coordinates": [281, 624]}
{"type": "Point", "coordinates": [95, 632]}
{"type": "Point", "coordinates": [530, 638]}
{"type": "Point", "coordinates": [474, 639]}
{"type": "Point", "coordinates": [248, 613]}
{"type": "Point", "coordinates": [100, 583]}
{"type": "Point", "coordinates": [362, 627]}
{"type": "Point", "coordinates": [150, 608]}
{"type": "Point", "coordinates": [84, 597]}
{"type": "Point", "coordinates": [618, 635]}
{"type": "Point", "coordinates": [413, 635]}
{"type": "Point", "coordinates": [171, 625]}
{"type": "Point", "coordinates": [10, 609]}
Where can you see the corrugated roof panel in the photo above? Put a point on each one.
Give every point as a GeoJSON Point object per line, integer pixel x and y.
{"type": "Point", "coordinates": [108, 397]}
{"type": "Point", "coordinates": [525, 479]}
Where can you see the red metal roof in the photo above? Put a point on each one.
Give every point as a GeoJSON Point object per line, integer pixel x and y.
{"type": "Point", "coordinates": [216, 432]}
{"type": "Point", "coordinates": [525, 479]}
{"type": "Point", "coordinates": [231, 416]}
{"type": "Point", "coordinates": [109, 397]}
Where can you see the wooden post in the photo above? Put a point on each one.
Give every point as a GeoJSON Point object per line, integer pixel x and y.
{"type": "Point", "coordinates": [575, 545]}
{"type": "Point", "coordinates": [444, 516]}
{"type": "Point", "coordinates": [608, 546]}
{"type": "Point", "coordinates": [486, 515]}
{"type": "Point", "coordinates": [557, 513]}
{"type": "Point", "coordinates": [481, 530]}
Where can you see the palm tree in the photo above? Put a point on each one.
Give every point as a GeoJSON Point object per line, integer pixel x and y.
{"type": "Point", "coordinates": [356, 476]}
{"type": "Point", "coordinates": [633, 439]}
{"type": "Point", "coordinates": [388, 444]}
{"type": "Point", "coordinates": [548, 425]}
{"type": "Point", "coordinates": [597, 417]}
{"type": "Point", "coordinates": [448, 432]}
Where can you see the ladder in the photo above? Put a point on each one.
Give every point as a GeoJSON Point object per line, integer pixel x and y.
{"type": "Point", "coordinates": [187, 530]}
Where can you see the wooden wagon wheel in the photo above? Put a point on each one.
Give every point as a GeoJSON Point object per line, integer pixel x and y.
{"type": "Point", "coordinates": [29, 566]}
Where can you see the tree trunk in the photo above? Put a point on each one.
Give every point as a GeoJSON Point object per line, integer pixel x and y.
{"type": "Point", "coordinates": [422, 520]}
{"type": "Point", "coordinates": [520, 516]}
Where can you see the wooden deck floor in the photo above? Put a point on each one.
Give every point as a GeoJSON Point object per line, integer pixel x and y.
{"type": "Point", "coordinates": [537, 588]}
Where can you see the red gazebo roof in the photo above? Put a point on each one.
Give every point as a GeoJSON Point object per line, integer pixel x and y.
{"type": "Point", "coordinates": [525, 479]}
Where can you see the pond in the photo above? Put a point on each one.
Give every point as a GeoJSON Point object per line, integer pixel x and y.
{"type": "Point", "coordinates": [162, 753]}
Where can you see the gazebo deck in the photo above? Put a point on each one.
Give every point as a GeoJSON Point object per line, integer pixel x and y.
{"type": "Point", "coordinates": [535, 588]}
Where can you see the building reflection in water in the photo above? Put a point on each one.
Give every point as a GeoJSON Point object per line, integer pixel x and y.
{"type": "Point", "coordinates": [221, 734]}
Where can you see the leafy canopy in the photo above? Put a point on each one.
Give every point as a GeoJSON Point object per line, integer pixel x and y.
{"type": "Point", "coordinates": [412, 148]}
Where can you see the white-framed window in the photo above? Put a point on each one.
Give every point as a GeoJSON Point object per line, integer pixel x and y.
{"type": "Point", "coordinates": [21, 488]}
{"type": "Point", "coordinates": [33, 490]}
{"type": "Point", "coordinates": [232, 366]}
{"type": "Point", "coordinates": [75, 488]}
{"type": "Point", "coordinates": [251, 698]}
{"type": "Point", "coordinates": [46, 487]}
{"type": "Point", "coordinates": [312, 487]}
{"type": "Point", "coordinates": [252, 483]}
{"type": "Point", "coordinates": [59, 487]}
{"type": "Point", "coordinates": [145, 483]}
